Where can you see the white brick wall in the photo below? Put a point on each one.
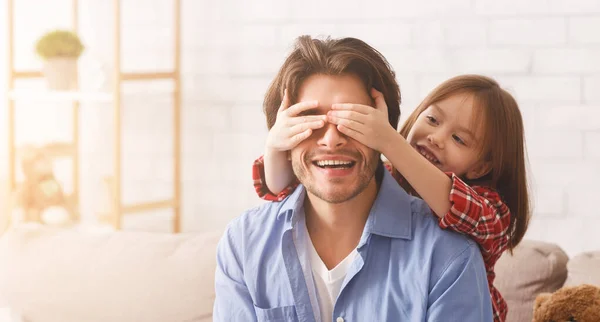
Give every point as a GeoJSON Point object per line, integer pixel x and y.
{"type": "Point", "coordinates": [583, 30]}
{"type": "Point", "coordinates": [566, 60]}
{"type": "Point", "coordinates": [528, 32]}
{"type": "Point", "coordinates": [545, 52]}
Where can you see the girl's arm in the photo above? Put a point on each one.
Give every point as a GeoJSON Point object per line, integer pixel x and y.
{"type": "Point", "coordinates": [261, 187]}
{"type": "Point", "coordinates": [278, 171]}
{"type": "Point", "coordinates": [427, 180]}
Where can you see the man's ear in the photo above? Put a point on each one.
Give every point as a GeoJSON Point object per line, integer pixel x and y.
{"type": "Point", "coordinates": [479, 170]}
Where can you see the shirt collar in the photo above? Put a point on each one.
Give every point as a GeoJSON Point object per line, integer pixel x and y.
{"type": "Point", "coordinates": [390, 216]}
{"type": "Point", "coordinates": [291, 206]}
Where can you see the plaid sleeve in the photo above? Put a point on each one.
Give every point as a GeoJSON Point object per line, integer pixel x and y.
{"type": "Point", "coordinates": [499, 306]}
{"type": "Point", "coordinates": [258, 176]}
{"type": "Point", "coordinates": [388, 167]}
{"type": "Point", "coordinates": [480, 213]}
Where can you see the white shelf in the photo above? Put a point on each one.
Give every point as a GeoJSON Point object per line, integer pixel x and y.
{"type": "Point", "coordinates": [58, 96]}
{"type": "Point", "coordinates": [41, 95]}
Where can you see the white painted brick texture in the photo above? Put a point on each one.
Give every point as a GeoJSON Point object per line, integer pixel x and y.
{"type": "Point", "coordinates": [584, 30]}
{"type": "Point", "coordinates": [528, 32]}
{"type": "Point", "coordinates": [576, 60]}
{"type": "Point", "coordinates": [545, 52]}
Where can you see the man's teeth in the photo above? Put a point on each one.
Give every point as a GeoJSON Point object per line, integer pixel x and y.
{"type": "Point", "coordinates": [333, 163]}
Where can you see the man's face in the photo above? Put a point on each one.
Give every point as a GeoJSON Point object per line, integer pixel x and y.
{"type": "Point", "coordinates": [332, 166]}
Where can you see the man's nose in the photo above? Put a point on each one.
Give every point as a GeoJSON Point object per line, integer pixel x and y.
{"type": "Point", "coordinates": [332, 138]}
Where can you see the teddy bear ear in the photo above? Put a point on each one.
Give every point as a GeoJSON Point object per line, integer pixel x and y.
{"type": "Point", "coordinates": [541, 299]}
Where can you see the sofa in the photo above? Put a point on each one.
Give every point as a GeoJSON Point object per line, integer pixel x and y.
{"type": "Point", "coordinates": [52, 275]}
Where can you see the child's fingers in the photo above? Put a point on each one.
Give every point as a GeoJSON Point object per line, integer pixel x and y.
{"type": "Point", "coordinates": [298, 108]}
{"type": "Point", "coordinates": [298, 128]}
{"type": "Point", "coordinates": [300, 137]}
{"type": "Point", "coordinates": [351, 124]}
{"type": "Point", "coordinates": [285, 102]}
{"type": "Point", "coordinates": [349, 115]}
{"type": "Point", "coordinates": [350, 132]}
{"type": "Point", "coordinates": [379, 100]}
{"type": "Point", "coordinates": [306, 119]}
{"type": "Point", "coordinates": [363, 109]}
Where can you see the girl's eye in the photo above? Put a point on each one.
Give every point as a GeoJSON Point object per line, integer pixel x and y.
{"type": "Point", "coordinates": [431, 119]}
{"type": "Point", "coordinates": [458, 139]}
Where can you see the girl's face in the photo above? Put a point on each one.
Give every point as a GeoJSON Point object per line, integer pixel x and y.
{"type": "Point", "coordinates": [444, 133]}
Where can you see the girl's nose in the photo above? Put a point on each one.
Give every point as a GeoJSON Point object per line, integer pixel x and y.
{"type": "Point", "coordinates": [434, 140]}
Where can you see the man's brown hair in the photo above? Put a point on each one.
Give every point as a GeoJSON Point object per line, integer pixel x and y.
{"type": "Point", "coordinates": [333, 57]}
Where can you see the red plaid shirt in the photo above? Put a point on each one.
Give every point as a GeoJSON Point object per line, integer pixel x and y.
{"type": "Point", "coordinates": [476, 211]}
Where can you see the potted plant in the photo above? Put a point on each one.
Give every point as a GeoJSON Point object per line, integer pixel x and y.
{"type": "Point", "coordinates": [60, 50]}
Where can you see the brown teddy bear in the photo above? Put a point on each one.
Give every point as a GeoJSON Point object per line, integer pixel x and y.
{"type": "Point", "coordinates": [576, 303]}
{"type": "Point", "coordinates": [40, 193]}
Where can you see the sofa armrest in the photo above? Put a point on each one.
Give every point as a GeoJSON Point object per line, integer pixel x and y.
{"type": "Point", "coordinates": [8, 315]}
{"type": "Point", "coordinates": [51, 275]}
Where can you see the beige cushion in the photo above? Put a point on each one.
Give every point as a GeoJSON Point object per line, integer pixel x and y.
{"type": "Point", "coordinates": [52, 275]}
{"type": "Point", "coordinates": [534, 267]}
{"type": "Point", "coordinates": [584, 269]}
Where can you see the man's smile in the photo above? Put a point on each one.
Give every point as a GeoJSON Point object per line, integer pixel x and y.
{"type": "Point", "coordinates": [334, 164]}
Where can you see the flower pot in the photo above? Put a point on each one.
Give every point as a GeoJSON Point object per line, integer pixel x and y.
{"type": "Point", "coordinates": [61, 73]}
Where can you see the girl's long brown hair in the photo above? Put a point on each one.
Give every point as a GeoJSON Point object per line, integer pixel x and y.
{"type": "Point", "coordinates": [503, 143]}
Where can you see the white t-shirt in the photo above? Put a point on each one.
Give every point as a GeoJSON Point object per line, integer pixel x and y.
{"type": "Point", "coordinates": [327, 282]}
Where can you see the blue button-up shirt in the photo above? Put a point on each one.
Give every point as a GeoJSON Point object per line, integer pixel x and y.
{"type": "Point", "coordinates": [408, 269]}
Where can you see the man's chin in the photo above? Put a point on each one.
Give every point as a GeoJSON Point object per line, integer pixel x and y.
{"type": "Point", "coordinates": [335, 190]}
{"type": "Point", "coordinates": [333, 183]}
{"type": "Point", "coordinates": [333, 196]}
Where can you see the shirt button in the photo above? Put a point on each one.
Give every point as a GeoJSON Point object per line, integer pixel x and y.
{"type": "Point", "coordinates": [339, 319]}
